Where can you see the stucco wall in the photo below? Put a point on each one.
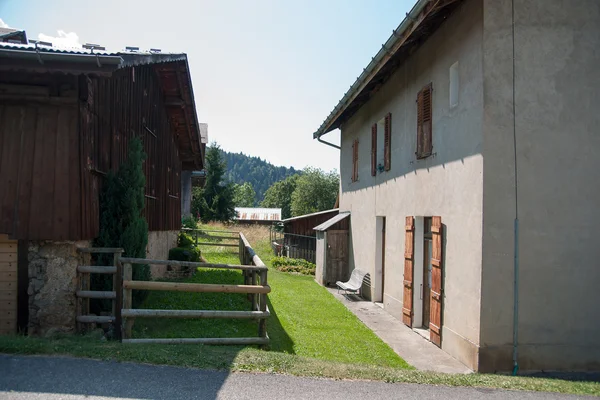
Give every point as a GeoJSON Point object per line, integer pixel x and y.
{"type": "Point", "coordinates": [448, 184]}
{"type": "Point", "coordinates": [557, 77]}
{"type": "Point", "coordinates": [159, 244]}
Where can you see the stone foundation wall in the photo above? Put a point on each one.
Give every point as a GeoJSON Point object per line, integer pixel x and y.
{"type": "Point", "coordinates": [52, 285]}
{"type": "Point", "coordinates": [159, 244]}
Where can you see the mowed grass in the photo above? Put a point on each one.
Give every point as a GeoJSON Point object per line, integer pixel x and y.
{"type": "Point", "coordinates": [306, 319]}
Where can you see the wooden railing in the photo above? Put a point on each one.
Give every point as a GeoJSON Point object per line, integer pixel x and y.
{"type": "Point", "coordinates": [123, 314]}
{"type": "Point", "coordinates": [201, 233]}
{"type": "Point", "coordinates": [128, 313]}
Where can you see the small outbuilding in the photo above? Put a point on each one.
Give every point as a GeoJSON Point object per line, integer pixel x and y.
{"type": "Point", "coordinates": [332, 250]}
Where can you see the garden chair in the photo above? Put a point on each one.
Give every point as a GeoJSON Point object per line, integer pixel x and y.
{"type": "Point", "coordinates": [354, 283]}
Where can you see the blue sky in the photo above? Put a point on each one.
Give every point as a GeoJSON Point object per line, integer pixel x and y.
{"type": "Point", "coordinates": [266, 73]}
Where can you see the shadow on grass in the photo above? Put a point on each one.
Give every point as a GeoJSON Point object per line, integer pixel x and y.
{"type": "Point", "coordinates": [280, 340]}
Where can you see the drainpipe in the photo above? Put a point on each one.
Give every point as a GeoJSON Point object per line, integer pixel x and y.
{"type": "Point", "coordinates": [327, 143]}
{"type": "Point", "coordinates": [516, 225]}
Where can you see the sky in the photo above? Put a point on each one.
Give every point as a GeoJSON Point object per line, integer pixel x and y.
{"type": "Point", "coordinates": [265, 73]}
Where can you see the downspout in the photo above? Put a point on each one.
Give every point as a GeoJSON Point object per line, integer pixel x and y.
{"type": "Point", "coordinates": [327, 143]}
{"type": "Point", "coordinates": [516, 224]}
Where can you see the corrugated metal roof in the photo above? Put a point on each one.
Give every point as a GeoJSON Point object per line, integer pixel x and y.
{"type": "Point", "coordinates": [330, 222]}
{"type": "Point", "coordinates": [310, 215]}
{"type": "Point", "coordinates": [258, 214]}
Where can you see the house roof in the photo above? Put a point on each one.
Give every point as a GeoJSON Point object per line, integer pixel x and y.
{"type": "Point", "coordinates": [330, 222]}
{"type": "Point", "coordinates": [258, 214]}
{"type": "Point", "coordinates": [309, 215]}
{"type": "Point", "coordinates": [425, 18]}
{"type": "Point", "coordinates": [7, 34]}
{"type": "Point", "coordinates": [172, 69]}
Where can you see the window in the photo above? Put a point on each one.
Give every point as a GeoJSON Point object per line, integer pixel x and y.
{"type": "Point", "coordinates": [454, 85]}
{"type": "Point", "coordinates": [355, 160]}
{"type": "Point", "coordinates": [381, 133]}
{"type": "Point", "coordinates": [424, 125]}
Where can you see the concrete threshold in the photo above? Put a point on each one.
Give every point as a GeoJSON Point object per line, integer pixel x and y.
{"type": "Point", "coordinates": [411, 346]}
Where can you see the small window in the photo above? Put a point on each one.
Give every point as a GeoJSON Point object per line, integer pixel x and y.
{"type": "Point", "coordinates": [454, 82]}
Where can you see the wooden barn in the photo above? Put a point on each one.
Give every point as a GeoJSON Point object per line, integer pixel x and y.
{"type": "Point", "coordinates": [66, 118]}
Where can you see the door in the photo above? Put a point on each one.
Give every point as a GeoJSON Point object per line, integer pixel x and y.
{"type": "Point", "coordinates": [427, 253]}
{"type": "Point", "coordinates": [337, 256]}
{"type": "Point", "coordinates": [407, 298]}
{"type": "Point", "coordinates": [8, 285]}
{"type": "Point", "coordinates": [383, 259]}
{"type": "Point", "coordinates": [436, 298]}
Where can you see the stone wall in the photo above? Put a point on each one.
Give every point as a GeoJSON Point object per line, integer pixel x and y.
{"type": "Point", "coordinates": [159, 244]}
{"type": "Point", "coordinates": [52, 285]}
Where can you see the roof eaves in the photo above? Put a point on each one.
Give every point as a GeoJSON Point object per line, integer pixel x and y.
{"type": "Point", "coordinates": [414, 18]}
{"type": "Point", "coordinates": [310, 215]}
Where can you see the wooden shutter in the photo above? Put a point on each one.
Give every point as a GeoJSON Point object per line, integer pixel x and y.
{"type": "Point", "coordinates": [424, 122]}
{"type": "Point", "coordinates": [355, 161]}
{"type": "Point", "coordinates": [407, 307]}
{"type": "Point", "coordinates": [435, 311]}
{"type": "Point", "coordinates": [374, 150]}
{"type": "Point", "coordinates": [387, 142]}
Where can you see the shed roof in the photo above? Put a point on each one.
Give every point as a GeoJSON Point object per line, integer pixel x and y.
{"type": "Point", "coordinates": [310, 215]}
{"type": "Point", "coordinates": [258, 214]}
{"type": "Point", "coordinates": [330, 222]}
{"type": "Point", "coordinates": [425, 18]}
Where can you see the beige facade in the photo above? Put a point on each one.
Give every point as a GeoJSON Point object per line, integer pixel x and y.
{"type": "Point", "coordinates": [470, 182]}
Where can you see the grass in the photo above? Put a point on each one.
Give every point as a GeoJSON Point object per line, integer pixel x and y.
{"type": "Point", "coordinates": [249, 359]}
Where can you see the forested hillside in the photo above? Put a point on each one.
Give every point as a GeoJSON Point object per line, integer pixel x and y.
{"type": "Point", "coordinates": [261, 174]}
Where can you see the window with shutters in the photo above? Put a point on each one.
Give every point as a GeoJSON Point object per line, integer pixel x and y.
{"type": "Point", "coordinates": [355, 160]}
{"type": "Point", "coordinates": [381, 133]}
{"type": "Point", "coordinates": [424, 122]}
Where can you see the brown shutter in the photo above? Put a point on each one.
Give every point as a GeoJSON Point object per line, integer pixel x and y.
{"type": "Point", "coordinates": [355, 161]}
{"type": "Point", "coordinates": [387, 142]}
{"type": "Point", "coordinates": [424, 122]}
{"type": "Point", "coordinates": [374, 150]}
{"type": "Point", "coordinates": [407, 307]}
{"type": "Point", "coordinates": [435, 311]}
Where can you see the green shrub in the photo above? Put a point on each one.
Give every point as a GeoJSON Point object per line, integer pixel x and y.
{"type": "Point", "coordinates": [297, 265]}
{"type": "Point", "coordinates": [185, 240]}
{"type": "Point", "coordinates": [189, 222]}
{"type": "Point", "coordinates": [191, 254]}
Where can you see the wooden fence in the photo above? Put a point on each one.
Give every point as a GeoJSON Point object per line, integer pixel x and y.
{"type": "Point", "coordinates": [201, 233]}
{"type": "Point", "coordinates": [123, 314]}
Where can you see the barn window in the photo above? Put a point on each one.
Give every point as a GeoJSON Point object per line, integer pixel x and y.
{"type": "Point", "coordinates": [424, 122]}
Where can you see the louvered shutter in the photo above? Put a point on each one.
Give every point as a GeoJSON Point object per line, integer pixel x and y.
{"type": "Point", "coordinates": [374, 150]}
{"type": "Point", "coordinates": [355, 161]}
{"type": "Point", "coordinates": [407, 306]}
{"type": "Point", "coordinates": [387, 149]}
{"type": "Point", "coordinates": [435, 311]}
{"type": "Point", "coordinates": [424, 122]}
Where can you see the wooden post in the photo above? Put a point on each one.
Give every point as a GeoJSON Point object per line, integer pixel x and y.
{"type": "Point", "coordinates": [254, 297]}
{"type": "Point", "coordinates": [119, 301]}
{"type": "Point", "coordinates": [196, 236]}
{"type": "Point", "coordinates": [127, 300]}
{"type": "Point", "coordinates": [115, 288]}
{"type": "Point", "coordinates": [79, 305]}
{"type": "Point", "coordinates": [262, 323]}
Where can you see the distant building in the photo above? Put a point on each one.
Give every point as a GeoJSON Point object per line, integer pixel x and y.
{"type": "Point", "coordinates": [265, 216]}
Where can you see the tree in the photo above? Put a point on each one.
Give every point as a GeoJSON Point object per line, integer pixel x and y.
{"type": "Point", "coordinates": [244, 195]}
{"type": "Point", "coordinates": [214, 202]}
{"type": "Point", "coordinates": [280, 195]}
{"type": "Point", "coordinates": [121, 221]}
{"type": "Point", "coordinates": [315, 191]}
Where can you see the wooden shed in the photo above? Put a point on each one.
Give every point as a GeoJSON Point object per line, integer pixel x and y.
{"type": "Point", "coordinates": [332, 250]}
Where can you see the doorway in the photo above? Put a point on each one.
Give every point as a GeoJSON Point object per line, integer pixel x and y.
{"type": "Point", "coordinates": [422, 275]}
{"type": "Point", "coordinates": [427, 253]}
{"type": "Point", "coordinates": [379, 289]}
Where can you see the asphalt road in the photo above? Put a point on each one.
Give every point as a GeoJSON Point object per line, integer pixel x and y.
{"type": "Point", "coordinates": [56, 378]}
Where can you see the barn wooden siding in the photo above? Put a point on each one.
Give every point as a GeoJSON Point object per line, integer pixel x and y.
{"type": "Point", "coordinates": [305, 225]}
{"type": "Point", "coordinates": [130, 104]}
{"type": "Point", "coordinates": [60, 135]}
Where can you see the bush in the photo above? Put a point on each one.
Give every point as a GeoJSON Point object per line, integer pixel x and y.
{"type": "Point", "coordinates": [191, 254]}
{"type": "Point", "coordinates": [189, 222]}
{"type": "Point", "coordinates": [185, 240]}
{"type": "Point", "coordinates": [297, 265]}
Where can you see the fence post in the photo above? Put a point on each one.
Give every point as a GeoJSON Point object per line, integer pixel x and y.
{"type": "Point", "coordinates": [196, 236]}
{"type": "Point", "coordinates": [254, 296]}
{"type": "Point", "coordinates": [262, 323]}
{"type": "Point", "coordinates": [127, 300]}
{"type": "Point", "coordinates": [118, 288]}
